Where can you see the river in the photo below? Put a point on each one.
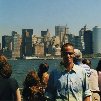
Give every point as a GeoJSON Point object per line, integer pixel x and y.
{"type": "Point", "coordinates": [22, 67]}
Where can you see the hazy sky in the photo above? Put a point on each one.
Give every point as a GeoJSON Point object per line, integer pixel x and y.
{"type": "Point", "coordinates": [42, 14]}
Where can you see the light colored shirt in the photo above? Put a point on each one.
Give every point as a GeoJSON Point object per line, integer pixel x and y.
{"type": "Point", "coordinates": [93, 80]}
{"type": "Point", "coordinates": [87, 68]}
{"type": "Point", "coordinates": [68, 86]}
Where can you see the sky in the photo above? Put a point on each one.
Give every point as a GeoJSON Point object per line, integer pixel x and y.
{"type": "Point", "coordinates": [39, 15]}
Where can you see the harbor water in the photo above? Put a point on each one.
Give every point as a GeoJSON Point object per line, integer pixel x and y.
{"type": "Point", "coordinates": [22, 67]}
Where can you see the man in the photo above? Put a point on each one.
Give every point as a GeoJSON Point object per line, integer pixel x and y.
{"type": "Point", "coordinates": [93, 81]}
{"type": "Point", "coordinates": [68, 83]}
{"type": "Point", "coordinates": [78, 61]}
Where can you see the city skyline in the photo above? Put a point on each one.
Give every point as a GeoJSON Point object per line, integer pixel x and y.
{"type": "Point", "coordinates": [42, 15]}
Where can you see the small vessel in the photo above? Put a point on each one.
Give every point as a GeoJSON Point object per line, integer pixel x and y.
{"type": "Point", "coordinates": [30, 57]}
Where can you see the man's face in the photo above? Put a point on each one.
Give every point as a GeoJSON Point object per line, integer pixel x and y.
{"type": "Point", "coordinates": [68, 55]}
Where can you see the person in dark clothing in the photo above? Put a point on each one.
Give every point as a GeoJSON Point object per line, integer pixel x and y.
{"type": "Point", "coordinates": [43, 73]}
{"type": "Point", "coordinates": [9, 89]}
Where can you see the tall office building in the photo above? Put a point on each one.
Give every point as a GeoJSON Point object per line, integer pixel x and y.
{"type": "Point", "coordinates": [15, 44]}
{"type": "Point", "coordinates": [7, 42]}
{"type": "Point", "coordinates": [27, 42]}
{"type": "Point", "coordinates": [97, 39]}
{"type": "Point", "coordinates": [81, 34]}
{"type": "Point", "coordinates": [62, 32]}
{"type": "Point", "coordinates": [88, 42]}
{"type": "Point", "coordinates": [45, 33]}
{"type": "Point", "coordinates": [61, 29]}
{"type": "Point", "coordinates": [7, 45]}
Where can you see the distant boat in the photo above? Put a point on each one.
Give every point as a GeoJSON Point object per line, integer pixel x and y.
{"type": "Point", "coordinates": [30, 57]}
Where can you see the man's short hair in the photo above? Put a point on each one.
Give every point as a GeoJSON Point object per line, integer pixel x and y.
{"type": "Point", "coordinates": [66, 45]}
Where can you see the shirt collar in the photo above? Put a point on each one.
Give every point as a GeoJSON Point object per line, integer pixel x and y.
{"type": "Point", "coordinates": [62, 68]}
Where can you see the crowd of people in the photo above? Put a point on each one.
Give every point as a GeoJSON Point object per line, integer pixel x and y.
{"type": "Point", "coordinates": [73, 80]}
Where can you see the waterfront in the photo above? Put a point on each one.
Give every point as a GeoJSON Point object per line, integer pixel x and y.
{"type": "Point", "coordinates": [22, 67]}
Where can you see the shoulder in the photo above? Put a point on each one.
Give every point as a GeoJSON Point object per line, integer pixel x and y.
{"type": "Point", "coordinates": [85, 66]}
{"type": "Point", "coordinates": [78, 68]}
{"type": "Point", "coordinates": [93, 71]}
{"type": "Point", "coordinates": [13, 82]}
{"type": "Point", "coordinates": [12, 79]}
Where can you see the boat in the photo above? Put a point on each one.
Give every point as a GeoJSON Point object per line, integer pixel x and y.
{"type": "Point", "coordinates": [30, 57]}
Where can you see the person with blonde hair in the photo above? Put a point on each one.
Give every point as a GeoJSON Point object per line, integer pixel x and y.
{"type": "Point", "coordinates": [9, 89]}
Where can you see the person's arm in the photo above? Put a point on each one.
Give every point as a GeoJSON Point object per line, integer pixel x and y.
{"type": "Point", "coordinates": [18, 95]}
{"type": "Point", "coordinates": [87, 91]}
{"type": "Point", "coordinates": [87, 98]}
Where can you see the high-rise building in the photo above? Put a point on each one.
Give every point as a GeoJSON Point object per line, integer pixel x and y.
{"type": "Point", "coordinates": [38, 49]}
{"type": "Point", "coordinates": [97, 39]}
{"type": "Point", "coordinates": [7, 45]}
{"type": "Point", "coordinates": [15, 44]}
{"type": "Point", "coordinates": [7, 42]}
{"type": "Point", "coordinates": [81, 35]}
{"type": "Point", "coordinates": [61, 31]}
{"type": "Point", "coordinates": [27, 42]}
{"type": "Point", "coordinates": [77, 42]}
{"type": "Point", "coordinates": [88, 42]}
{"type": "Point", "coordinates": [45, 33]}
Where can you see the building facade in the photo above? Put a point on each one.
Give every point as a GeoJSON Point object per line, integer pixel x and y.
{"type": "Point", "coordinates": [97, 39]}
{"type": "Point", "coordinates": [15, 44]}
{"type": "Point", "coordinates": [7, 45]}
{"type": "Point", "coordinates": [88, 42]}
{"type": "Point", "coordinates": [27, 42]}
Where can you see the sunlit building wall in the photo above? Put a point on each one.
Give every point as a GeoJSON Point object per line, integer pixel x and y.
{"type": "Point", "coordinates": [97, 39]}
{"type": "Point", "coordinates": [15, 44]}
{"type": "Point", "coordinates": [38, 49]}
{"type": "Point", "coordinates": [61, 31]}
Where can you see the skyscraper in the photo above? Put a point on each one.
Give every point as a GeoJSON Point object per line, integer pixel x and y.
{"type": "Point", "coordinates": [7, 46]}
{"type": "Point", "coordinates": [15, 44]}
{"type": "Point", "coordinates": [61, 31]}
{"type": "Point", "coordinates": [88, 42]}
{"type": "Point", "coordinates": [97, 39]}
{"type": "Point", "coordinates": [27, 42]}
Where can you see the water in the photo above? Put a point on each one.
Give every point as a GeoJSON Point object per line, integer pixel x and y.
{"type": "Point", "coordinates": [22, 67]}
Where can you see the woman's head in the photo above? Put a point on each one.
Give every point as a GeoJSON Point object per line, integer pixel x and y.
{"type": "Point", "coordinates": [3, 59]}
{"type": "Point", "coordinates": [43, 67]}
{"type": "Point", "coordinates": [5, 70]}
{"type": "Point", "coordinates": [87, 62]}
{"type": "Point", "coordinates": [5, 67]}
{"type": "Point", "coordinates": [31, 79]}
